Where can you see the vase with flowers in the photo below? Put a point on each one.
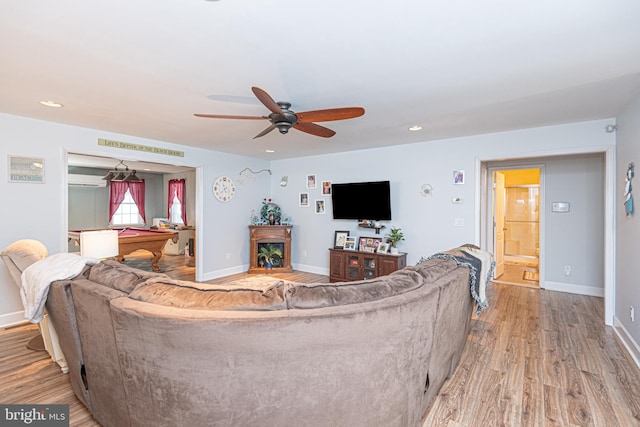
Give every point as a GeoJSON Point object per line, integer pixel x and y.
{"type": "Point", "coordinates": [270, 212]}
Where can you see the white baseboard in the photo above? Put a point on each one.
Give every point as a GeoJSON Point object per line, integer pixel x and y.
{"type": "Point", "coordinates": [311, 269]}
{"type": "Point", "coordinates": [225, 272]}
{"type": "Point", "coordinates": [573, 289]}
{"type": "Point", "coordinates": [12, 319]}
{"type": "Point", "coordinates": [632, 347]}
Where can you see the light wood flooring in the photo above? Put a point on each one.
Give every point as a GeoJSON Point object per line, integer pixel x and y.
{"type": "Point", "coordinates": [534, 358]}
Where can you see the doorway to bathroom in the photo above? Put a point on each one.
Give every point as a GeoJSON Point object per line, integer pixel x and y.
{"type": "Point", "coordinates": [516, 220]}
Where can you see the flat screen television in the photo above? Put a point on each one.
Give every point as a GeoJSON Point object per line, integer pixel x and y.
{"type": "Point", "coordinates": [361, 200]}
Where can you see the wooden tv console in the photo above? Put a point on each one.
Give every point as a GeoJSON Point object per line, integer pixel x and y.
{"type": "Point", "coordinates": [347, 266]}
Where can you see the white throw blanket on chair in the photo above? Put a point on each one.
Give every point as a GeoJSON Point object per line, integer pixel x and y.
{"type": "Point", "coordinates": [37, 278]}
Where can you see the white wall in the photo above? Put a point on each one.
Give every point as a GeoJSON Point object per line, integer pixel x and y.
{"type": "Point", "coordinates": [428, 223]}
{"type": "Point", "coordinates": [628, 228]}
{"type": "Point", "coordinates": [40, 210]}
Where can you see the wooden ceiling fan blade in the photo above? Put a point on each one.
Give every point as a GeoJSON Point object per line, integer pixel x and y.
{"type": "Point", "coordinates": [314, 129]}
{"type": "Point", "coordinates": [267, 100]}
{"type": "Point", "coordinates": [330, 114]}
{"type": "Point", "coordinates": [222, 116]}
{"type": "Point", "coordinates": [264, 132]}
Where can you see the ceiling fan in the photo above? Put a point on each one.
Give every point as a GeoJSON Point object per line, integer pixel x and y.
{"type": "Point", "coordinates": [283, 118]}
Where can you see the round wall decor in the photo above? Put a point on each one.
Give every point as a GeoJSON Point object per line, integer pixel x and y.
{"type": "Point", "coordinates": [224, 188]}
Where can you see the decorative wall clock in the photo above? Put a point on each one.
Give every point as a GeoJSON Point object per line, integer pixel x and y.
{"type": "Point", "coordinates": [224, 189]}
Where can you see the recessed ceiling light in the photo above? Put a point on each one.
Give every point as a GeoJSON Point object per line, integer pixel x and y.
{"type": "Point", "coordinates": [415, 128]}
{"type": "Point", "coordinates": [52, 104]}
{"type": "Point", "coordinates": [270, 150]}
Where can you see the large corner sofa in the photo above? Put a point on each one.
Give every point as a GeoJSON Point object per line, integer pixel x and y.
{"type": "Point", "coordinates": [143, 349]}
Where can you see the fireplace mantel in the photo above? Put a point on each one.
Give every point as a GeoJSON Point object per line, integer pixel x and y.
{"type": "Point", "coordinates": [269, 234]}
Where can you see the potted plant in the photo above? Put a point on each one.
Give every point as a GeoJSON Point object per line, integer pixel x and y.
{"type": "Point", "coordinates": [270, 255]}
{"type": "Point", "coordinates": [393, 237]}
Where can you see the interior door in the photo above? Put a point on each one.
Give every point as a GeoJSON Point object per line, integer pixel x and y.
{"type": "Point", "coordinates": [498, 224]}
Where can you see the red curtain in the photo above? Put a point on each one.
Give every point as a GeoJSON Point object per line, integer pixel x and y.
{"type": "Point", "coordinates": [177, 189]}
{"type": "Point", "coordinates": [116, 196]}
{"type": "Point", "coordinates": [137, 194]}
{"type": "Point", "coordinates": [119, 189]}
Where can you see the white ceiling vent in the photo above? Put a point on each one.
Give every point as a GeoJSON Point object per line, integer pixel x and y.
{"type": "Point", "coordinates": [86, 181]}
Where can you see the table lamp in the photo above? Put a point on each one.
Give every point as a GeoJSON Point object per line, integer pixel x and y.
{"type": "Point", "coordinates": [99, 244]}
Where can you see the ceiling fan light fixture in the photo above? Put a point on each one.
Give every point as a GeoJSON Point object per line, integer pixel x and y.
{"type": "Point", "coordinates": [132, 177]}
{"type": "Point", "coordinates": [109, 176]}
{"type": "Point", "coordinates": [119, 177]}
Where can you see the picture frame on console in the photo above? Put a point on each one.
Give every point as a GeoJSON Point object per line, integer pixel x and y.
{"type": "Point", "coordinates": [339, 239]}
{"type": "Point", "coordinates": [369, 244]}
{"type": "Point", "coordinates": [350, 243]}
{"type": "Point", "coordinates": [383, 248]}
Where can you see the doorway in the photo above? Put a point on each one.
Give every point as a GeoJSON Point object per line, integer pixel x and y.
{"type": "Point", "coordinates": [516, 224]}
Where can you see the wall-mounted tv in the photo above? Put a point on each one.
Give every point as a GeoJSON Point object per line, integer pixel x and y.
{"type": "Point", "coordinates": [361, 200]}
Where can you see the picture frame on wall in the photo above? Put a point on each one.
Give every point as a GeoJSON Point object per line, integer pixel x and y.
{"type": "Point", "coordinates": [311, 181]}
{"type": "Point", "coordinates": [320, 208]}
{"type": "Point", "coordinates": [326, 188]}
{"type": "Point", "coordinates": [339, 239]}
{"type": "Point", "coordinates": [26, 169]}
{"type": "Point", "coordinates": [350, 243]}
{"type": "Point", "coordinates": [303, 200]}
{"type": "Point", "coordinates": [458, 177]}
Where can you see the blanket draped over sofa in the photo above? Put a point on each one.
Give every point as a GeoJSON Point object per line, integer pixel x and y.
{"type": "Point", "coordinates": [144, 349]}
{"type": "Point", "coordinates": [480, 264]}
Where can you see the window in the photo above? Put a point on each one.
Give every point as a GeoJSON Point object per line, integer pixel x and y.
{"type": "Point", "coordinates": [126, 203]}
{"type": "Point", "coordinates": [175, 211]}
{"type": "Point", "coordinates": [127, 213]}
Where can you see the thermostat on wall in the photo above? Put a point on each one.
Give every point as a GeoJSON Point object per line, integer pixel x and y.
{"type": "Point", "coordinates": [560, 207]}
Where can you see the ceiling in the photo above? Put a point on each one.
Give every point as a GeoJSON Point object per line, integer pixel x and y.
{"type": "Point", "coordinates": [456, 68]}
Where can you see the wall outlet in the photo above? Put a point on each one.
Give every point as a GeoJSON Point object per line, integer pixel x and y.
{"type": "Point", "coordinates": [632, 314]}
{"type": "Point", "coordinates": [304, 253]}
{"type": "Point", "coordinates": [228, 255]}
{"type": "Point", "coordinates": [567, 270]}
{"type": "Point", "coordinates": [458, 222]}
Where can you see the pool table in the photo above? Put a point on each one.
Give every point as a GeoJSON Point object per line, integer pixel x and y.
{"type": "Point", "coordinates": [133, 239]}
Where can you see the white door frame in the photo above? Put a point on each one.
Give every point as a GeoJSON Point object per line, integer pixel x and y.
{"type": "Point", "coordinates": [481, 175]}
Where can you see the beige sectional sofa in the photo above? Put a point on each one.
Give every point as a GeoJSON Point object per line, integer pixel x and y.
{"type": "Point", "coordinates": [144, 349]}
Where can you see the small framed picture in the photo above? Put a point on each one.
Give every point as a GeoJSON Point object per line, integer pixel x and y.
{"type": "Point", "coordinates": [383, 248]}
{"type": "Point", "coordinates": [350, 243]}
{"type": "Point", "coordinates": [458, 177]}
{"type": "Point", "coordinates": [311, 181]}
{"type": "Point", "coordinates": [320, 207]}
{"type": "Point", "coordinates": [26, 169]}
{"type": "Point", "coordinates": [326, 188]}
{"type": "Point", "coordinates": [303, 200]}
{"type": "Point", "coordinates": [339, 239]}
{"type": "Point", "coordinates": [369, 244]}
{"type": "Point", "coordinates": [286, 220]}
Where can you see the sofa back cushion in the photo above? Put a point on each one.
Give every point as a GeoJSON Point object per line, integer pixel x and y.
{"type": "Point", "coordinates": [433, 269]}
{"type": "Point", "coordinates": [176, 293]}
{"type": "Point", "coordinates": [119, 276]}
{"type": "Point", "coordinates": [317, 295]}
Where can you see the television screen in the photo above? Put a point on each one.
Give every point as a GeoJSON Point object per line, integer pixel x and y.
{"type": "Point", "coordinates": [361, 200]}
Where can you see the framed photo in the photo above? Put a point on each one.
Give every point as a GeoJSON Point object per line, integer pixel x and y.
{"type": "Point", "coordinates": [458, 177]}
{"type": "Point", "coordinates": [369, 244]}
{"type": "Point", "coordinates": [320, 206]}
{"type": "Point", "coordinates": [383, 248]}
{"type": "Point", "coordinates": [286, 220]}
{"type": "Point", "coordinates": [311, 181]}
{"type": "Point", "coordinates": [340, 239]}
{"type": "Point", "coordinates": [303, 200]}
{"type": "Point", "coordinates": [350, 243]}
{"type": "Point", "coordinates": [26, 169]}
{"type": "Point", "coordinates": [326, 188]}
